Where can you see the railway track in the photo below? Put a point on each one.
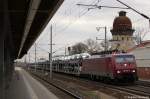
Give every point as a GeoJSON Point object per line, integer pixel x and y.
{"type": "Point", "coordinates": [143, 83]}
{"type": "Point", "coordinates": [134, 89]}
{"type": "Point", "coordinates": [140, 88]}
{"type": "Point", "coordinates": [73, 95]}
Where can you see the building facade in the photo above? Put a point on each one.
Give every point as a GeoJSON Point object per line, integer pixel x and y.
{"type": "Point", "coordinates": [142, 56]}
{"type": "Point", "coordinates": [122, 39]}
{"type": "Point", "coordinates": [122, 33]}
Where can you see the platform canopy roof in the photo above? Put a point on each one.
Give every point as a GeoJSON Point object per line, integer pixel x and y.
{"type": "Point", "coordinates": [27, 20]}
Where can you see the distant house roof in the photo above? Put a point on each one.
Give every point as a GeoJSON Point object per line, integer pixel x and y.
{"type": "Point", "coordinates": [142, 44]}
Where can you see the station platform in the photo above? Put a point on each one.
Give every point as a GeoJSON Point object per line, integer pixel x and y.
{"type": "Point", "coordinates": [24, 86]}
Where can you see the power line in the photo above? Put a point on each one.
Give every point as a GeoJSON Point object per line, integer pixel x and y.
{"type": "Point", "coordinates": [142, 14]}
{"type": "Point", "coordinates": [71, 22]}
{"type": "Point", "coordinates": [140, 19]}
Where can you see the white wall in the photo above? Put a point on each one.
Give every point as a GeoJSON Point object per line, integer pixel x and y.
{"type": "Point", "coordinates": [142, 55]}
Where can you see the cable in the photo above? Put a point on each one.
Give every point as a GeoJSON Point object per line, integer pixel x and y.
{"type": "Point", "coordinates": [143, 15]}
{"type": "Point", "coordinates": [71, 22]}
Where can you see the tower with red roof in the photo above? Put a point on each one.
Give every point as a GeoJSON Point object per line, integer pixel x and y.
{"type": "Point", "coordinates": [122, 33]}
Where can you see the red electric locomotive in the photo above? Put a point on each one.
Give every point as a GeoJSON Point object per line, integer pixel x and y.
{"type": "Point", "coordinates": [105, 66]}
{"type": "Point", "coordinates": [120, 67]}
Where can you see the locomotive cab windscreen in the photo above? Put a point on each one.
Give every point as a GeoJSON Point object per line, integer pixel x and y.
{"type": "Point", "coordinates": [124, 59]}
{"type": "Point", "coordinates": [125, 63]}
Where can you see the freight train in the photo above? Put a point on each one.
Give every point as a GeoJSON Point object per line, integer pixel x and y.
{"type": "Point", "coordinates": [114, 66]}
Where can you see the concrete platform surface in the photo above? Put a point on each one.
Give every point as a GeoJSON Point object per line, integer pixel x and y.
{"type": "Point", "coordinates": [24, 86]}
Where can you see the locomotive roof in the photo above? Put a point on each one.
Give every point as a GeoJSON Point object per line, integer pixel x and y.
{"type": "Point", "coordinates": [76, 56]}
{"type": "Point", "coordinates": [109, 55]}
{"type": "Point", "coordinates": [93, 55]}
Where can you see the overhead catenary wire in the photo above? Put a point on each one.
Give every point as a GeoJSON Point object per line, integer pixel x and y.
{"type": "Point", "coordinates": [70, 22]}
{"type": "Point", "coordinates": [76, 18]}
{"type": "Point", "coordinates": [142, 14]}
{"type": "Point", "coordinates": [82, 13]}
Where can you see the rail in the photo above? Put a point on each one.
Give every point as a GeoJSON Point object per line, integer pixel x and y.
{"type": "Point", "coordinates": [59, 87]}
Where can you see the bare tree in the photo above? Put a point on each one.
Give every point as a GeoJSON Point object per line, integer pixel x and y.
{"type": "Point", "coordinates": [108, 45]}
{"type": "Point", "coordinates": [79, 48]}
{"type": "Point", "coordinates": [93, 46]}
{"type": "Point", "coordinates": [139, 34]}
{"type": "Point", "coordinates": [89, 46]}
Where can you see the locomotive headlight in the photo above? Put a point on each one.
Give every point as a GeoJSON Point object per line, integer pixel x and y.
{"type": "Point", "coordinates": [125, 65]}
{"type": "Point", "coordinates": [133, 71]}
{"type": "Point", "coordinates": [118, 71]}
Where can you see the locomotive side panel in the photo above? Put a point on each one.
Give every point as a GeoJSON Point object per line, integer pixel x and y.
{"type": "Point", "coordinates": [110, 68]}
{"type": "Point", "coordinates": [97, 66]}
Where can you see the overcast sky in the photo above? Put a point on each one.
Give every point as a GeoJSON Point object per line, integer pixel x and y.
{"type": "Point", "coordinates": [73, 23]}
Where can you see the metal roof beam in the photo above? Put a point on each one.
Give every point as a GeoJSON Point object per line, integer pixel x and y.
{"type": "Point", "coordinates": [34, 5]}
